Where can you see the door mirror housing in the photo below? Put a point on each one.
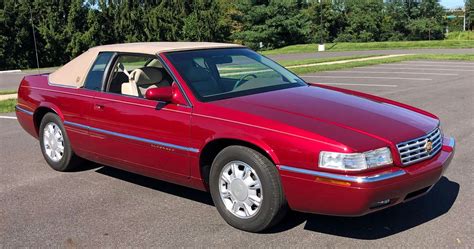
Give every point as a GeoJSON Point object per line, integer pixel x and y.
{"type": "Point", "coordinates": [164, 94]}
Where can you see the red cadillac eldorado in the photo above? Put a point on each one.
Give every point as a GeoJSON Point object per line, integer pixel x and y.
{"type": "Point", "coordinates": [225, 119]}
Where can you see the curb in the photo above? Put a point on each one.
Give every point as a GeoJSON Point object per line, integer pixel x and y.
{"type": "Point", "coordinates": [348, 61]}
{"type": "Point", "coordinates": [8, 96]}
{"type": "Point", "coordinates": [11, 71]}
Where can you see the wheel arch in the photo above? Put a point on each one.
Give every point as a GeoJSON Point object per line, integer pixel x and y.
{"type": "Point", "coordinates": [41, 111]}
{"type": "Point", "coordinates": [213, 147]}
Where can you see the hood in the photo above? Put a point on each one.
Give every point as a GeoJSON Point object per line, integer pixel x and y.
{"type": "Point", "coordinates": [340, 116]}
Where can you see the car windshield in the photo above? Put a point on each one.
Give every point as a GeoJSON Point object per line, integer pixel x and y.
{"type": "Point", "coordinates": [226, 73]}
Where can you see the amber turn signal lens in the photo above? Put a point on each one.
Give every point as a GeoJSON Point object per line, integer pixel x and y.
{"type": "Point", "coordinates": [332, 181]}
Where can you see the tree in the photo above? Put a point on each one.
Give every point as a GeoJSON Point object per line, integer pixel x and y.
{"type": "Point", "coordinates": [364, 21]}
{"type": "Point", "coordinates": [129, 22]}
{"type": "Point", "coordinates": [469, 9]}
{"type": "Point", "coordinates": [17, 35]}
{"type": "Point", "coordinates": [76, 25]}
{"type": "Point", "coordinates": [274, 23]}
{"type": "Point", "coordinates": [426, 21]}
{"type": "Point", "coordinates": [425, 29]}
{"type": "Point", "coordinates": [206, 22]}
{"type": "Point", "coordinates": [50, 20]}
{"type": "Point", "coordinates": [164, 21]}
{"type": "Point", "coordinates": [3, 40]}
{"type": "Point", "coordinates": [334, 21]}
{"type": "Point", "coordinates": [395, 20]}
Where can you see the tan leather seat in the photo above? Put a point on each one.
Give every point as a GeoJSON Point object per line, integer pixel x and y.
{"type": "Point", "coordinates": [201, 79]}
{"type": "Point", "coordinates": [142, 79]}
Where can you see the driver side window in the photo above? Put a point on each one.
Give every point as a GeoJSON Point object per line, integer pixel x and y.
{"type": "Point", "coordinates": [133, 75]}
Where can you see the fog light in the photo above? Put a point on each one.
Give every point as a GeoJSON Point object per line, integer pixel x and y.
{"type": "Point", "coordinates": [380, 203]}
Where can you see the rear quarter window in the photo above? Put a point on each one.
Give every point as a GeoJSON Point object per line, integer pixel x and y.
{"type": "Point", "coordinates": [96, 74]}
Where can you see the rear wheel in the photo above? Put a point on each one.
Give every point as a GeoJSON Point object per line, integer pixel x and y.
{"type": "Point", "coordinates": [246, 189]}
{"type": "Point", "coordinates": [55, 144]}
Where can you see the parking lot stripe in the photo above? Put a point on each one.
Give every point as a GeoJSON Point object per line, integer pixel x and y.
{"type": "Point", "coordinates": [7, 117]}
{"type": "Point", "coordinates": [429, 65]}
{"type": "Point", "coordinates": [372, 72]}
{"type": "Point", "coordinates": [439, 62]}
{"type": "Point", "coordinates": [355, 84]}
{"type": "Point", "coordinates": [364, 77]}
{"type": "Point", "coordinates": [425, 68]}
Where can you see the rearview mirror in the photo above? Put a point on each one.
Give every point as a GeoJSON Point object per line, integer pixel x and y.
{"type": "Point", "coordinates": [222, 59]}
{"type": "Point", "coordinates": [164, 94]}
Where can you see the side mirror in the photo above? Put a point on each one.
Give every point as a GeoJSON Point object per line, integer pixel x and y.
{"type": "Point", "coordinates": [164, 94]}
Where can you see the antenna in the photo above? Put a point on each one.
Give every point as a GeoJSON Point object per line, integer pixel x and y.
{"type": "Point", "coordinates": [34, 40]}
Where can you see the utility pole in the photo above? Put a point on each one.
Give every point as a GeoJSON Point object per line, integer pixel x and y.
{"type": "Point", "coordinates": [464, 23]}
{"type": "Point", "coordinates": [321, 47]}
{"type": "Point", "coordinates": [34, 40]}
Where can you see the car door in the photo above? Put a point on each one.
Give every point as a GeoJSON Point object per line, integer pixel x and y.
{"type": "Point", "coordinates": [130, 132]}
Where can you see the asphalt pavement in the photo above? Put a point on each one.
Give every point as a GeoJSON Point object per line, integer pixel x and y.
{"type": "Point", "coordinates": [328, 53]}
{"type": "Point", "coordinates": [105, 207]}
{"type": "Point", "coordinates": [11, 80]}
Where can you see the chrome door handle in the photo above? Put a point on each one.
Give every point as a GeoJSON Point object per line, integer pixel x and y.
{"type": "Point", "coordinates": [98, 107]}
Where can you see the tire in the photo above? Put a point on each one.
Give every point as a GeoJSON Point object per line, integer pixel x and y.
{"type": "Point", "coordinates": [60, 160]}
{"type": "Point", "coordinates": [241, 194]}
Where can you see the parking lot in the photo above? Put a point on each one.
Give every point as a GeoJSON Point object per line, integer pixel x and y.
{"type": "Point", "coordinates": [105, 207]}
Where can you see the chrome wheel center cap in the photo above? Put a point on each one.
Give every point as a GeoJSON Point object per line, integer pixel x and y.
{"type": "Point", "coordinates": [239, 190]}
{"type": "Point", "coordinates": [54, 144]}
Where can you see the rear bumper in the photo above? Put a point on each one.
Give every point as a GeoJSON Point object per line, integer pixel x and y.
{"type": "Point", "coordinates": [348, 195]}
{"type": "Point", "coordinates": [25, 118]}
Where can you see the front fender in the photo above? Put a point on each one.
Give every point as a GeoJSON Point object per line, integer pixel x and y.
{"type": "Point", "coordinates": [246, 139]}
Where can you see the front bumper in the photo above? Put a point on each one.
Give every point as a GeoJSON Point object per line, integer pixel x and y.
{"type": "Point", "coordinates": [355, 195]}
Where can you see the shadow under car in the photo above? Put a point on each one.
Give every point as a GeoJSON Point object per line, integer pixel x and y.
{"type": "Point", "coordinates": [372, 226]}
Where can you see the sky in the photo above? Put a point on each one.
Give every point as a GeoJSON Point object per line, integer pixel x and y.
{"type": "Point", "coordinates": [452, 3]}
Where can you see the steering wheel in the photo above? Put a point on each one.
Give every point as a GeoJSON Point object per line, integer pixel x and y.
{"type": "Point", "coordinates": [241, 80]}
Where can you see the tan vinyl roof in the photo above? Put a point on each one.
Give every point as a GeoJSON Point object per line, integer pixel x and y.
{"type": "Point", "coordinates": [74, 72]}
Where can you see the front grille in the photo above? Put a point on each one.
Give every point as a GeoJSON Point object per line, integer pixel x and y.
{"type": "Point", "coordinates": [416, 150]}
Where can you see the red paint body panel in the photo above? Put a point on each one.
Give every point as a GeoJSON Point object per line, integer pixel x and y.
{"type": "Point", "coordinates": [292, 126]}
{"type": "Point", "coordinates": [306, 194]}
{"type": "Point", "coordinates": [69, 103]}
{"type": "Point", "coordinates": [139, 118]}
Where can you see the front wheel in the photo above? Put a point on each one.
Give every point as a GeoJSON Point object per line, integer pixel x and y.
{"type": "Point", "coordinates": [246, 190]}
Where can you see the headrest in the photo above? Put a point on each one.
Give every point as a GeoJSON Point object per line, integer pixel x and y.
{"type": "Point", "coordinates": [196, 74]}
{"type": "Point", "coordinates": [146, 76]}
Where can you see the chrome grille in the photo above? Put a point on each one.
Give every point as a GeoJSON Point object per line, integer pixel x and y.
{"type": "Point", "coordinates": [415, 150]}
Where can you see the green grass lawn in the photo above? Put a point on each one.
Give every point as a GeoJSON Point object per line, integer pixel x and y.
{"type": "Point", "coordinates": [349, 46]}
{"type": "Point", "coordinates": [4, 92]}
{"type": "Point", "coordinates": [7, 105]}
{"type": "Point", "coordinates": [461, 35]}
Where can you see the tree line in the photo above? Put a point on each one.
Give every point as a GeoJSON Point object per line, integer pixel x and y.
{"type": "Point", "coordinates": [65, 28]}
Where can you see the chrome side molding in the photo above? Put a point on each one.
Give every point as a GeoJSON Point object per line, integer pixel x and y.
{"type": "Point", "coordinates": [23, 110]}
{"type": "Point", "coordinates": [145, 140]}
{"type": "Point", "coordinates": [358, 179]}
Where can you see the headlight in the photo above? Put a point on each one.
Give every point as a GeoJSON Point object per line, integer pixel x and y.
{"type": "Point", "coordinates": [355, 161]}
